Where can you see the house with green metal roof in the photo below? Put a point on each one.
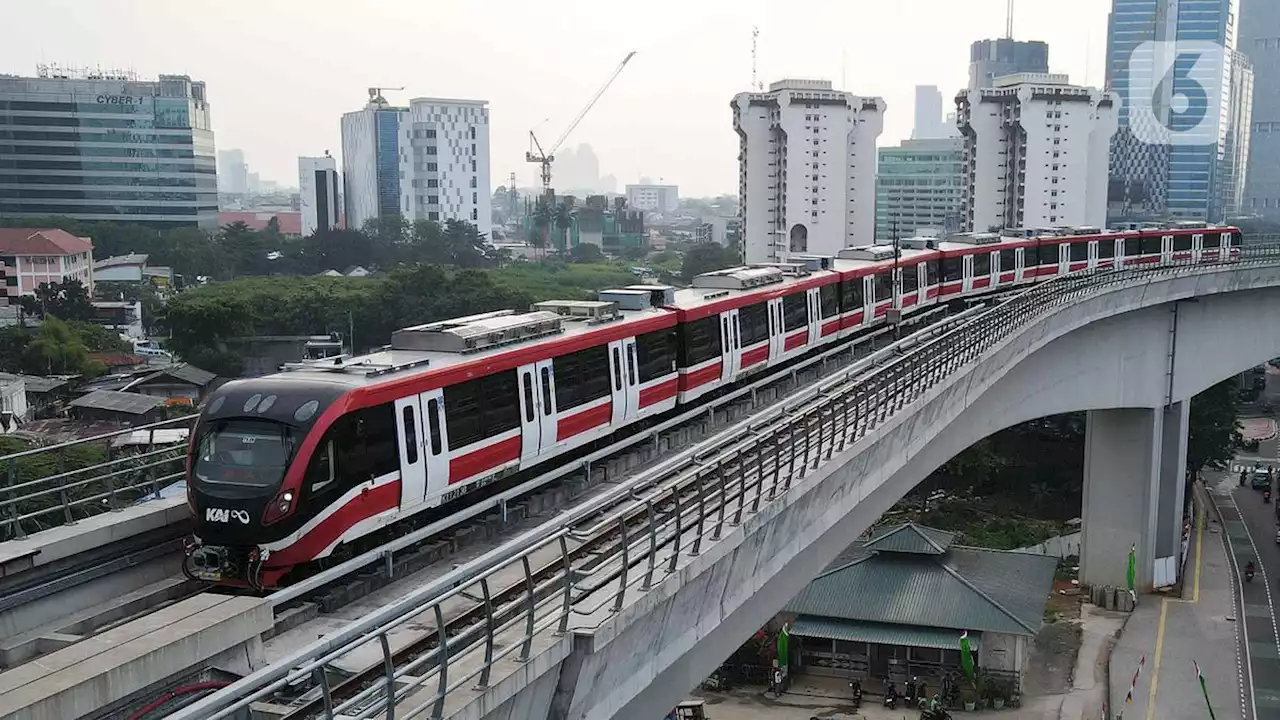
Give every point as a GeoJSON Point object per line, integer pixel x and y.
{"type": "Point", "coordinates": [894, 606]}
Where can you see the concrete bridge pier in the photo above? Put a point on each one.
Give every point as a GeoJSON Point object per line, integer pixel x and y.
{"type": "Point", "coordinates": [1134, 491]}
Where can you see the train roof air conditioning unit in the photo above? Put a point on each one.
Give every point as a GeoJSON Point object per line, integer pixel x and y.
{"type": "Point", "coordinates": [659, 295]}
{"type": "Point", "coordinates": [477, 332]}
{"type": "Point", "coordinates": [872, 253]}
{"type": "Point", "coordinates": [739, 278]}
{"type": "Point", "coordinates": [627, 298]}
{"type": "Point", "coordinates": [597, 310]}
{"type": "Point", "coordinates": [789, 269]}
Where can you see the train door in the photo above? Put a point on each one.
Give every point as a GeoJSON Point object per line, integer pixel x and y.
{"type": "Point", "coordinates": [730, 346]}
{"type": "Point", "coordinates": [413, 472]}
{"type": "Point", "coordinates": [815, 315]}
{"type": "Point", "coordinates": [966, 272]}
{"type": "Point", "coordinates": [435, 441]}
{"type": "Point", "coordinates": [631, 378]}
{"type": "Point", "coordinates": [1064, 258]}
{"type": "Point", "coordinates": [1093, 253]}
{"type": "Point", "coordinates": [530, 413]}
{"type": "Point", "coordinates": [1019, 264]}
{"type": "Point", "coordinates": [1166, 248]}
{"type": "Point", "coordinates": [777, 336]}
{"type": "Point", "coordinates": [617, 381]}
{"type": "Point", "coordinates": [868, 298]}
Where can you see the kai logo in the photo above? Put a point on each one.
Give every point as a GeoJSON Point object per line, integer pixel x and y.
{"type": "Point", "coordinates": [222, 515]}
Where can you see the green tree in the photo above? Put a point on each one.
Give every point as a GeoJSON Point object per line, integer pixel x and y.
{"type": "Point", "coordinates": [708, 257]}
{"type": "Point", "coordinates": [465, 246]}
{"type": "Point", "coordinates": [1212, 430]}
{"type": "Point", "coordinates": [69, 300]}
{"type": "Point", "coordinates": [56, 349]}
{"type": "Point", "coordinates": [586, 253]}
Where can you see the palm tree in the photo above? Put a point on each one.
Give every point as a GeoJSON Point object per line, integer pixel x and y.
{"type": "Point", "coordinates": [541, 225]}
{"type": "Point", "coordinates": [564, 221]}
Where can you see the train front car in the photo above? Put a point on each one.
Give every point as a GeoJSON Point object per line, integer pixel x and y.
{"type": "Point", "coordinates": [250, 438]}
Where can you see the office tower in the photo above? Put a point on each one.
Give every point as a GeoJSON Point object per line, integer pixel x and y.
{"type": "Point", "coordinates": [1260, 41]}
{"type": "Point", "coordinates": [919, 185]}
{"type": "Point", "coordinates": [990, 59]}
{"type": "Point", "coordinates": [318, 191]}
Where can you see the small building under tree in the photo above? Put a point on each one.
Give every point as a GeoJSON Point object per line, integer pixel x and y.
{"type": "Point", "coordinates": [894, 607]}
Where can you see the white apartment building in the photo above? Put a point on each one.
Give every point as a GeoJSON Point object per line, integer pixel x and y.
{"type": "Point", "coordinates": [318, 190]}
{"type": "Point", "coordinates": [653, 198]}
{"type": "Point", "coordinates": [806, 169]}
{"type": "Point", "coordinates": [444, 161]}
{"type": "Point", "coordinates": [1036, 153]}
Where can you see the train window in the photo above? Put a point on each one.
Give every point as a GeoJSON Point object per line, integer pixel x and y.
{"type": "Point", "coordinates": [1106, 249]}
{"type": "Point", "coordinates": [546, 391]}
{"type": "Point", "coordinates": [320, 470]}
{"type": "Point", "coordinates": [581, 377]}
{"type": "Point", "coordinates": [795, 311]}
{"type": "Point", "coordinates": [1181, 242]}
{"type": "Point", "coordinates": [851, 294]}
{"type": "Point", "coordinates": [617, 370]}
{"type": "Point", "coordinates": [882, 286]}
{"type": "Point", "coordinates": [1030, 256]}
{"type": "Point", "coordinates": [529, 412]}
{"type": "Point", "coordinates": [1079, 251]}
{"type": "Point", "coordinates": [982, 264]}
{"type": "Point", "coordinates": [410, 436]}
{"type": "Point", "coordinates": [1211, 240]}
{"type": "Point", "coordinates": [482, 407]}
{"type": "Point", "coordinates": [734, 331]}
{"type": "Point", "coordinates": [933, 272]}
{"type": "Point", "coordinates": [910, 278]}
{"type": "Point", "coordinates": [1132, 247]}
{"type": "Point", "coordinates": [830, 297]}
{"type": "Point", "coordinates": [753, 321]}
{"type": "Point", "coordinates": [1007, 262]}
{"type": "Point", "coordinates": [1152, 245]}
{"type": "Point", "coordinates": [1049, 253]}
{"type": "Point", "coordinates": [365, 443]}
{"type": "Point", "coordinates": [656, 353]}
{"type": "Point", "coordinates": [433, 424]}
{"type": "Point", "coordinates": [701, 341]}
{"type": "Point", "coordinates": [952, 269]}
{"type": "Point", "coordinates": [631, 364]}
{"type": "Point", "coordinates": [1237, 239]}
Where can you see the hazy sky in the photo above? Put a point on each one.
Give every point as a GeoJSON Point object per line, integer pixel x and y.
{"type": "Point", "coordinates": [280, 73]}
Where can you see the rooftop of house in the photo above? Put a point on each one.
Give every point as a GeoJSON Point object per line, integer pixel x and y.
{"type": "Point", "coordinates": [913, 575]}
{"type": "Point", "coordinates": [42, 241]}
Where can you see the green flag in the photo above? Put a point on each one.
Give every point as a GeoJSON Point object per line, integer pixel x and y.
{"type": "Point", "coordinates": [1133, 568]}
{"type": "Point", "coordinates": [783, 640]}
{"type": "Point", "coordinates": [1204, 689]}
{"type": "Point", "coordinates": [966, 655]}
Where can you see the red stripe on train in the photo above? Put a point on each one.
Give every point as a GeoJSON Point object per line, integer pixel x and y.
{"type": "Point", "coordinates": [752, 357]}
{"type": "Point", "coordinates": [655, 394]}
{"type": "Point", "coordinates": [796, 340]}
{"type": "Point", "coordinates": [485, 458]}
{"type": "Point", "coordinates": [567, 427]}
{"type": "Point", "coordinates": [690, 380]}
{"type": "Point", "coordinates": [365, 504]}
{"type": "Point", "coordinates": [830, 328]}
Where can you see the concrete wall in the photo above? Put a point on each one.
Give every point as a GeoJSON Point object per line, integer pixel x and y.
{"type": "Point", "coordinates": [1002, 651]}
{"type": "Point", "coordinates": [1107, 351]}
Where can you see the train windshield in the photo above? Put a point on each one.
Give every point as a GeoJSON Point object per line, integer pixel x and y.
{"type": "Point", "coordinates": [244, 453]}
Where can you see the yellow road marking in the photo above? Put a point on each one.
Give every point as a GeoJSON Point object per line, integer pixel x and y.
{"type": "Point", "coordinates": [1164, 608]}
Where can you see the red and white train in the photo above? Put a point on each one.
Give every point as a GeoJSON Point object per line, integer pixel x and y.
{"type": "Point", "coordinates": [285, 468]}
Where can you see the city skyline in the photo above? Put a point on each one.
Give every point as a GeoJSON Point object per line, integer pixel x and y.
{"type": "Point", "coordinates": [633, 130]}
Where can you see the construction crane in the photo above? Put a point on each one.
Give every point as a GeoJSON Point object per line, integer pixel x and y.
{"type": "Point", "coordinates": [375, 95]}
{"type": "Point", "coordinates": [545, 157]}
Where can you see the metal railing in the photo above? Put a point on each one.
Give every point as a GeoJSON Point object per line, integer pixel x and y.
{"type": "Point", "coordinates": [60, 484]}
{"type": "Point", "coordinates": [581, 568]}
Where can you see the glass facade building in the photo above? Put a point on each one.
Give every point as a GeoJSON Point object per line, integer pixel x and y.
{"type": "Point", "coordinates": [1179, 180]}
{"type": "Point", "coordinates": [1260, 41]}
{"type": "Point", "coordinates": [990, 59]}
{"type": "Point", "coordinates": [107, 147]}
{"type": "Point", "coordinates": [919, 185]}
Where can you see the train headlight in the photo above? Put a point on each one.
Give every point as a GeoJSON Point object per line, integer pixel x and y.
{"type": "Point", "coordinates": [279, 508]}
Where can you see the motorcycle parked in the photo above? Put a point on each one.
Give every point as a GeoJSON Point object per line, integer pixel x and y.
{"type": "Point", "coordinates": [891, 697]}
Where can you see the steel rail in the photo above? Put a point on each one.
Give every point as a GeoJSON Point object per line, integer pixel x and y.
{"type": "Point", "coordinates": [836, 418]}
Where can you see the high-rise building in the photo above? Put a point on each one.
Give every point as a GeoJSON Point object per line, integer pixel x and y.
{"type": "Point", "coordinates": [96, 145]}
{"type": "Point", "coordinates": [1035, 153]}
{"type": "Point", "coordinates": [318, 192]}
{"type": "Point", "coordinates": [806, 168]}
{"type": "Point", "coordinates": [1260, 41]}
{"type": "Point", "coordinates": [233, 173]}
{"type": "Point", "coordinates": [371, 161]}
{"type": "Point", "coordinates": [445, 161]}
{"type": "Point", "coordinates": [919, 185]}
{"type": "Point", "coordinates": [429, 161]}
{"type": "Point", "coordinates": [653, 198]}
{"type": "Point", "coordinates": [929, 123]}
{"type": "Point", "coordinates": [1154, 177]}
{"type": "Point", "coordinates": [990, 59]}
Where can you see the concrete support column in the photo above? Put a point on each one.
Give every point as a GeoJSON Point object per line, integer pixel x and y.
{"type": "Point", "coordinates": [1133, 492]}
